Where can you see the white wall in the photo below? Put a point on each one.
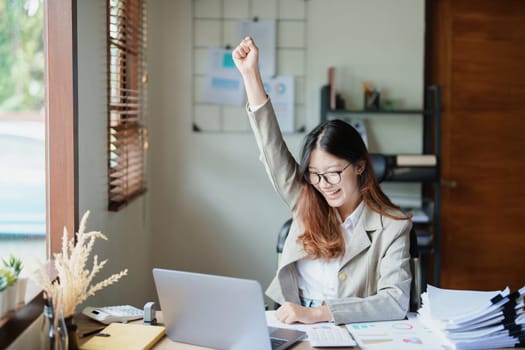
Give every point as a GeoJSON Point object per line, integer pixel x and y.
{"type": "Point", "coordinates": [128, 244]}
{"type": "Point", "coordinates": [209, 196]}
{"type": "Point", "coordinates": [212, 208]}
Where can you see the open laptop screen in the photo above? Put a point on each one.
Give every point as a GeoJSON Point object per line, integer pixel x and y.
{"type": "Point", "coordinates": [214, 311]}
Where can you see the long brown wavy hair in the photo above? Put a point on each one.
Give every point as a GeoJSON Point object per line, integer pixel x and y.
{"type": "Point", "coordinates": [322, 236]}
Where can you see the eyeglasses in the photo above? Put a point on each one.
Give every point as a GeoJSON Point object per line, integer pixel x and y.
{"type": "Point", "coordinates": [332, 177]}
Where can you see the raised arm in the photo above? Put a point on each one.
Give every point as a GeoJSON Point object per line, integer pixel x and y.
{"type": "Point", "coordinates": [246, 58]}
{"type": "Point", "coordinates": [279, 163]}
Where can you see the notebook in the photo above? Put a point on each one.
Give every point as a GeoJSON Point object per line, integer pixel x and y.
{"type": "Point", "coordinates": [218, 312]}
{"type": "Point", "coordinates": [127, 336]}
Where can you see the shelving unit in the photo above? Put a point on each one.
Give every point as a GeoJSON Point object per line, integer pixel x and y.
{"type": "Point", "coordinates": [428, 177]}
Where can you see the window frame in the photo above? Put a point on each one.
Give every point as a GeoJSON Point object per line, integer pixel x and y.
{"type": "Point", "coordinates": [61, 146]}
{"type": "Point", "coordinates": [61, 121]}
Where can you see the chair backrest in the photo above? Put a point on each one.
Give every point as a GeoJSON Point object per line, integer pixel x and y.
{"type": "Point", "coordinates": [380, 165]}
{"type": "Point", "coordinates": [416, 286]}
{"type": "Point", "coordinates": [281, 237]}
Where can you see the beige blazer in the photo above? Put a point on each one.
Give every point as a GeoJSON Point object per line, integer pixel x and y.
{"type": "Point", "coordinates": [374, 278]}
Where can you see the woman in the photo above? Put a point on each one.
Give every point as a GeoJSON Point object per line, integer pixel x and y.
{"type": "Point", "coordinates": [346, 257]}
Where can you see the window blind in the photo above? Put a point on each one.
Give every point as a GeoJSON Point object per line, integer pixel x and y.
{"type": "Point", "coordinates": [127, 79]}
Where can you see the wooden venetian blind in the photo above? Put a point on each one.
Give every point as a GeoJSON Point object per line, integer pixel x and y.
{"type": "Point", "coordinates": [127, 79]}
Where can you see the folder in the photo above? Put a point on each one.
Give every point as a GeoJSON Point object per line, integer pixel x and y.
{"type": "Point", "coordinates": [129, 336]}
{"type": "Point", "coordinates": [416, 160]}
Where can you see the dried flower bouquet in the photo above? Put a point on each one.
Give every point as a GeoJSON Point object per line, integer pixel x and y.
{"type": "Point", "coordinates": [74, 282]}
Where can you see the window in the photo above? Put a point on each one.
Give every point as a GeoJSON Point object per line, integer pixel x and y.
{"type": "Point", "coordinates": [127, 78]}
{"type": "Point", "coordinates": [60, 100]}
{"type": "Point", "coordinates": [22, 132]}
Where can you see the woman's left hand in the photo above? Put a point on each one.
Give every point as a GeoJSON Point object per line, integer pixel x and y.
{"type": "Point", "coordinates": [293, 313]}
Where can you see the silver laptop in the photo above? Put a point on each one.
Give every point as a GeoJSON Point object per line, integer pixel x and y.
{"type": "Point", "coordinates": [217, 312]}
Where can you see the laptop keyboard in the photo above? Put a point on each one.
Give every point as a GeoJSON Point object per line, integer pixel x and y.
{"type": "Point", "coordinates": [276, 342]}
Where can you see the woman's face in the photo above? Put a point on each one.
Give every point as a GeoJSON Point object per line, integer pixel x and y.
{"type": "Point", "coordinates": [344, 195]}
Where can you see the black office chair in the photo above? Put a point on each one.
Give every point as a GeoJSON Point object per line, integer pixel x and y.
{"type": "Point", "coordinates": [416, 286]}
{"type": "Point", "coordinates": [381, 166]}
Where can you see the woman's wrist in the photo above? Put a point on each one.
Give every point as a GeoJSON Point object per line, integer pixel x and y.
{"type": "Point", "coordinates": [254, 88]}
{"type": "Point", "coordinates": [250, 73]}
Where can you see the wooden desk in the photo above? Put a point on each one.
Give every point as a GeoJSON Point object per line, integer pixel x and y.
{"type": "Point", "coordinates": [85, 324]}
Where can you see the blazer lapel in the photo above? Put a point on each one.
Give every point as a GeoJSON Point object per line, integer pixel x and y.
{"type": "Point", "coordinates": [287, 272]}
{"type": "Point", "coordinates": [294, 250]}
{"type": "Point", "coordinates": [369, 221]}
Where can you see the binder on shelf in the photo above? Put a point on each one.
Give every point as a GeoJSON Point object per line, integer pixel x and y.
{"type": "Point", "coordinates": [416, 160]}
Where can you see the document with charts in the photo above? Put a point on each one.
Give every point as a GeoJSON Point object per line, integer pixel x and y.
{"type": "Point", "coordinates": [395, 335]}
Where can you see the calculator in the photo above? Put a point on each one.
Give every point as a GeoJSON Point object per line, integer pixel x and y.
{"type": "Point", "coordinates": [110, 314]}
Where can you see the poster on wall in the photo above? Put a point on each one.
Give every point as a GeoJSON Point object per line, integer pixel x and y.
{"type": "Point", "coordinates": [223, 80]}
{"type": "Point", "coordinates": [281, 90]}
{"type": "Point", "coordinates": [264, 34]}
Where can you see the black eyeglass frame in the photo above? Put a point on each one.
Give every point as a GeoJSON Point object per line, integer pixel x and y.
{"type": "Point", "coordinates": [325, 176]}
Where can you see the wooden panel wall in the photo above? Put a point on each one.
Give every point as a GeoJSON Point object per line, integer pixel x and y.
{"type": "Point", "coordinates": [477, 55]}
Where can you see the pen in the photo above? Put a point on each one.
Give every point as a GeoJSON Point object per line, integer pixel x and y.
{"type": "Point", "coordinates": [94, 331]}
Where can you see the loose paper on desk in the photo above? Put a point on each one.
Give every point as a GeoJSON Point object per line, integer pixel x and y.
{"type": "Point", "coordinates": [395, 335]}
{"type": "Point", "coordinates": [223, 81]}
{"type": "Point", "coordinates": [281, 90]}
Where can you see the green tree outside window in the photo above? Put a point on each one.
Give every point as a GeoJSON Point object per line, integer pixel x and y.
{"type": "Point", "coordinates": [21, 55]}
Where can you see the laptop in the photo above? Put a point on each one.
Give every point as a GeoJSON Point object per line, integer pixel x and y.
{"type": "Point", "coordinates": [218, 312]}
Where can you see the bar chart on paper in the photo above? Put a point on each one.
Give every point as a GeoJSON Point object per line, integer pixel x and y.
{"type": "Point", "coordinates": [392, 335]}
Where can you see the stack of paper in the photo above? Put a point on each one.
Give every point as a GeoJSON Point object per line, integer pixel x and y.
{"type": "Point", "coordinates": [470, 320]}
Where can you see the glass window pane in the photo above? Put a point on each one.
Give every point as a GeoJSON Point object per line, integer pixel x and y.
{"type": "Point", "coordinates": [22, 132]}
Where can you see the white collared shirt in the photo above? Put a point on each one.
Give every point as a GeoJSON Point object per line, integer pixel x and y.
{"type": "Point", "coordinates": [318, 278]}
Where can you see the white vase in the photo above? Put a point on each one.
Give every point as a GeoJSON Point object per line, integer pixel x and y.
{"type": "Point", "coordinates": [2, 308]}
{"type": "Point", "coordinates": [21, 288]}
{"type": "Point", "coordinates": [10, 298]}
